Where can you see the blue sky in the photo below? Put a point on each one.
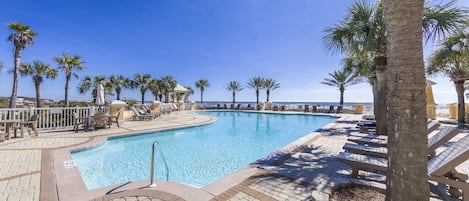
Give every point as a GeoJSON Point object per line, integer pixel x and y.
{"type": "Point", "coordinates": [217, 40]}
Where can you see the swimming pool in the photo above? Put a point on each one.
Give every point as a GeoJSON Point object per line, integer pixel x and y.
{"type": "Point", "coordinates": [198, 155]}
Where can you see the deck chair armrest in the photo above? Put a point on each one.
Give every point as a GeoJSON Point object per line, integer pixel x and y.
{"type": "Point", "coordinates": [458, 184]}
{"type": "Point", "coordinates": [28, 122]}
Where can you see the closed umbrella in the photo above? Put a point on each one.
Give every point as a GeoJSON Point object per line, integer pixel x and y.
{"type": "Point", "coordinates": [99, 119]}
{"type": "Point", "coordinates": [100, 99]}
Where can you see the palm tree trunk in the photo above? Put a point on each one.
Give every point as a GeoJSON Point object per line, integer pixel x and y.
{"type": "Point", "coordinates": [381, 109]}
{"type": "Point", "coordinates": [257, 96]}
{"type": "Point", "coordinates": [201, 95]}
{"type": "Point", "coordinates": [94, 93]}
{"type": "Point", "coordinates": [268, 94]}
{"type": "Point", "coordinates": [166, 96]}
{"type": "Point", "coordinates": [14, 91]}
{"type": "Point", "coordinates": [234, 96]}
{"type": "Point", "coordinates": [118, 93]}
{"type": "Point", "coordinates": [67, 85]}
{"type": "Point", "coordinates": [406, 177]}
{"type": "Point", "coordinates": [143, 96]}
{"type": "Point", "coordinates": [37, 85]}
{"type": "Point", "coordinates": [461, 105]}
{"type": "Point", "coordinates": [341, 96]}
{"type": "Point", "coordinates": [374, 86]}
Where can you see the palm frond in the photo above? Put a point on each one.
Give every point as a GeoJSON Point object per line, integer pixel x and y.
{"type": "Point", "coordinates": [442, 19]}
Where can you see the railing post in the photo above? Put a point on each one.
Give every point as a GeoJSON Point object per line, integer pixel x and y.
{"type": "Point", "coordinates": [152, 168]}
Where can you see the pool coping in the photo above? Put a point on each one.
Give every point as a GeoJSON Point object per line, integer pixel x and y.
{"type": "Point", "coordinates": [67, 184]}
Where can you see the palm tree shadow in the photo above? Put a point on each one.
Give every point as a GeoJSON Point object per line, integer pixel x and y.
{"type": "Point", "coordinates": [314, 166]}
{"type": "Point", "coordinates": [311, 168]}
{"type": "Point", "coordinates": [345, 131]}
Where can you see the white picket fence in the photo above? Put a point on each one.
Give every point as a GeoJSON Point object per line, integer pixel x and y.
{"type": "Point", "coordinates": [49, 118]}
{"type": "Point", "coordinates": [62, 117]}
{"type": "Point", "coordinates": [442, 111]}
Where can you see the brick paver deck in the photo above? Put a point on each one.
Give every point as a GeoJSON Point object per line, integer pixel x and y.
{"type": "Point", "coordinates": [308, 174]}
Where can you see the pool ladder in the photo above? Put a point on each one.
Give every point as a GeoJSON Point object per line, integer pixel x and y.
{"type": "Point", "coordinates": [152, 168]}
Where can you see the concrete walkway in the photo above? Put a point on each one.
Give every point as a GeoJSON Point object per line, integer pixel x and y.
{"type": "Point", "coordinates": [33, 168]}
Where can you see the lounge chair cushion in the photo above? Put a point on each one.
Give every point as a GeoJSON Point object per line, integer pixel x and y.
{"type": "Point", "coordinates": [140, 111]}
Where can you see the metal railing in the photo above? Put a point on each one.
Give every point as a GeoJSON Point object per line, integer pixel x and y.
{"type": "Point", "coordinates": [49, 118]}
{"type": "Point", "coordinates": [152, 168]}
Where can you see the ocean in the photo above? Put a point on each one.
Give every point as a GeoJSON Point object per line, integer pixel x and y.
{"type": "Point", "coordinates": [291, 103]}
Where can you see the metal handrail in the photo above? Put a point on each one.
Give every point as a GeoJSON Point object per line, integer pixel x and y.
{"type": "Point", "coordinates": [152, 169]}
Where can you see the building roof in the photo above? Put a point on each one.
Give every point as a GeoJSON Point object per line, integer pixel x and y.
{"type": "Point", "coordinates": [180, 88]}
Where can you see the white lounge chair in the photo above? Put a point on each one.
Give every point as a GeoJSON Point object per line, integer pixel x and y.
{"type": "Point", "coordinates": [140, 115]}
{"type": "Point", "coordinates": [381, 140]}
{"type": "Point", "coordinates": [440, 168]}
{"type": "Point", "coordinates": [442, 136]}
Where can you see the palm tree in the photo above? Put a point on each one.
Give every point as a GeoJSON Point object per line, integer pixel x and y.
{"type": "Point", "coordinates": [38, 70]}
{"type": "Point", "coordinates": [21, 38]}
{"type": "Point", "coordinates": [69, 64]}
{"type": "Point", "coordinates": [362, 66]}
{"type": "Point", "coordinates": [452, 60]}
{"type": "Point", "coordinates": [155, 88]}
{"type": "Point", "coordinates": [270, 85]}
{"type": "Point", "coordinates": [341, 79]}
{"type": "Point", "coordinates": [117, 82]}
{"type": "Point", "coordinates": [256, 83]}
{"type": "Point", "coordinates": [234, 86]}
{"type": "Point", "coordinates": [143, 83]}
{"type": "Point", "coordinates": [201, 84]}
{"type": "Point", "coordinates": [167, 84]}
{"type": "Point", "coordinates": [190, 92]}
{"type": "Point", "coordinates": [93, 83]}
{"type": "Point", "coordinates": [362, 34]}
{"type": "Point", "coordinates": [407, 141]}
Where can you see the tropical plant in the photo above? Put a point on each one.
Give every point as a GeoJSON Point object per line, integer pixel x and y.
{"type": "Point", "coordinates": [190, 92]}
{"type": "Point", "coordinates": [92, 83]}
{"type": "Point", "coordinates": [167, 85]}
{"type": "Point", "coordinates": [143, 83]}
{"type": "Point", "coordinates": [270, 85]}
{"type": "Point", "coordinates": [155, 88]}
{"type": "Point", "coordinates": [363, 34]}
{"type": "Point", "coordinates": [130, 102]}
{"type": "Point", "coordinates": [341, 79]}
{"type": "Point", "coordinates": [117, 83]}
{"type": "Point", "coordinates": [234, 86]}
{"type": "Point", "coordinates": [256, 83]}
{"type": "Point", "coordinates": [407, 141]}
{"type": "Point", "coordinates": [452, 60]}
{"type": "Point", "coordinates": [21, 37]}
{"type": "Point", "coordinates": [69, 64]}
{"type": "Point", "coordinates": [201, 84]}
{"type": "Point", "coordinates": [38, 70]}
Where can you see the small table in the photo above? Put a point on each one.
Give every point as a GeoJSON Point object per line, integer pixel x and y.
{"type": "Point", "coordinates": [9, 123]}
{"type": "Point", "coordinates": [90, 121]}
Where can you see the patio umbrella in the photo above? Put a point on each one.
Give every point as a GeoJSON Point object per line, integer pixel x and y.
{"type": "Point", "coordinates": [100, 98]}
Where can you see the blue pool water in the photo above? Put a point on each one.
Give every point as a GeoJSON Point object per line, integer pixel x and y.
{"type": "Point", "coordinates": [198, 155]}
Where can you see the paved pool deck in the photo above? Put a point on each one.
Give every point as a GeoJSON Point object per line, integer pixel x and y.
{"type": "Point", "coordinates": [40, 168]}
